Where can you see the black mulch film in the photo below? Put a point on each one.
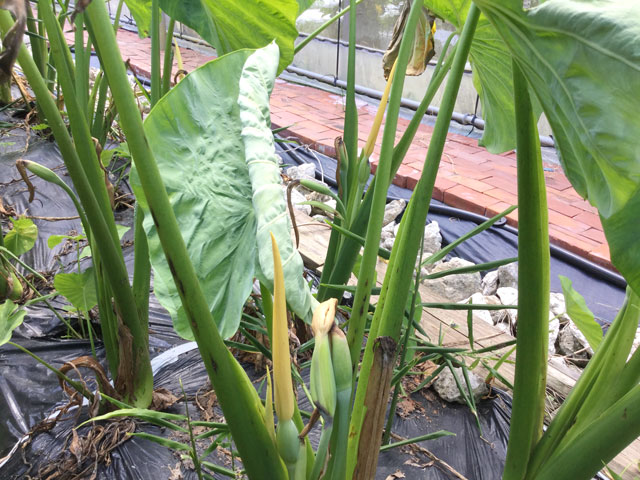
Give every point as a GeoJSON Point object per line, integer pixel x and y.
{"type": "Point", "coordinates": [30, 392]}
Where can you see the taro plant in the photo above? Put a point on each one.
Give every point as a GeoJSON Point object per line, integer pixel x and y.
{"type": "Point", "coordinates": [124, 327]}
{"type": "Point", "coordinates": [19, 239]}
{"type": "Point", "coordinates": [577, 94]}
{"type": "Point", "coordinates": [537, 39]}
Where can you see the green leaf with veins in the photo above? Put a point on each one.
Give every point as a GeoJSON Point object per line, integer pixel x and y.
{"type": "Point", "coordinates": [141, 12]}
{"type": "Point", "coordinates": [581, 59]}
{"type": "Point", "coordinates": [11, 316]}
{"type": "Point", "coordinates": [78, 288]}
{"type": "Point", "coordinates": [491, 73]}
{"type": "Point", "coordinates": [22, 236]}
{"type": "Point", "coordinates": [230, 25]}
{"type": "Point", "coordinates": [580, 314]}
{"type": "Point", "coordinates": [211, 140]}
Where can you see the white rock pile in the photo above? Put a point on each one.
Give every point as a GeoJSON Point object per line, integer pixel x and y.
{"type": "Point", "coordinates": [498, 287]}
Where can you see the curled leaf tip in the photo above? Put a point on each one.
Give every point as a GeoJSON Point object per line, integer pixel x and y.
{"type": "Point", "coordinates": [323, 317]}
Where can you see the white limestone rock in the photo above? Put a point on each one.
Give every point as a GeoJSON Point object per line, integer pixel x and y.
{"type": "Point", "coordinates": [392, 210]}
{"type": "Point", "coordinates": [300, 172]}
{"type": "Point", "coordinates": [509, 296]}
{"type": "Point", "coordinates": [432, 241]}
{"type": "Point", "coordinates": [385, 235]}
{"type": "Point", "coordinates": [636, 342]}
{"type": "Point", "coordinates": [481, 315]}
{"type": "Point", "coordinates": [573, 344]}
{"type": "Point", "coordinates": [455, 288]}
{"type": "Point", "coordinates": [498, 316]}
{"type": "Point", "coordinates": [423, 272]}
{"type": "Point", "coordinates": [558, 307]}
{"type": "Point", "coordinates": [504, 327]}
{"type": "Point", "coordinates": [445, 385]}
{"type": "Point", "coordinates": [554, 330]}
{"type": "Point", "coordinates": [388, 243]}
{"type": "Point", "coordinates": [318, 197]}
{"type": "Point", "coordinates": [319, 211]}
{"type": "Point", "coordinates": [490, 283]}
{"type": "Point", "coordinates": [508, 275]}
{"type": "Point", "coordinates": [390, 228]}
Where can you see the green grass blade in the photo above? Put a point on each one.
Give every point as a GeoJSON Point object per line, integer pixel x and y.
{"type": "Point", "coordinates": [480, 228]}
{"type": "Point", "coordinates": [218, 469]}
{"type": "Point", "coordinates": [165, 442]}
{"type": "Point", "coordinates": [321, 28]}
{"type": "Point", "coordinates": [481, 267]}
{"type": "Point", "coordinates": [161, 419]}
{"type": "Point", "coordinates": [383, 253]}
{"type": "Point", "coordinates": [466, 306]}
{"type": "Point", "coordinates": [421, 438]}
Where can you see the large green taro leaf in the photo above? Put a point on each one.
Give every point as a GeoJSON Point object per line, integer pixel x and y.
{"type": "Point", "coordinates": [582, 59]}
{"type": "Point", "coordinates": [229, 25]}
{"type": "Point", "coordinates": [303, 5]}
{"type": "Point", "coordinates": [491, 65]}
{"type": "Point", "coordinates": [195, 134]}
{"type": "Point", "coordinates": [141, 12]}
{"type": "Point", "coordinates": [256, 84]}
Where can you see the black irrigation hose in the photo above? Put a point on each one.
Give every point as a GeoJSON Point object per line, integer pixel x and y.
{"type": "Point", "coordinates": [461, 118]}
{"type": "Point", "coordinates": [557, 252]}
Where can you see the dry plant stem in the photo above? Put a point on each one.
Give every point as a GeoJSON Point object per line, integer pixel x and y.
{"type": "Point", "coordinates": [533, 309]}
{"type": "Point", "coordinates": [375, 403]}
{"type": "Point", "coordinates": [387, 320]}
{"type": "Point", "coordinates": [51, 219]}
{"type": "Point", "coordinates": [239, 401]}
{"type": "Point", "coordinates": [442, 463]}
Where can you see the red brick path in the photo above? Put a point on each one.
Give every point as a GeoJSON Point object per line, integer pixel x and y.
{"type": "Point", "coordinates": [469, 177]}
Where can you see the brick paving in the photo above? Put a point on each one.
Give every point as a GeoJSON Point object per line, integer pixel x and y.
{"type": "Point", "coordinates": [469, 177]}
